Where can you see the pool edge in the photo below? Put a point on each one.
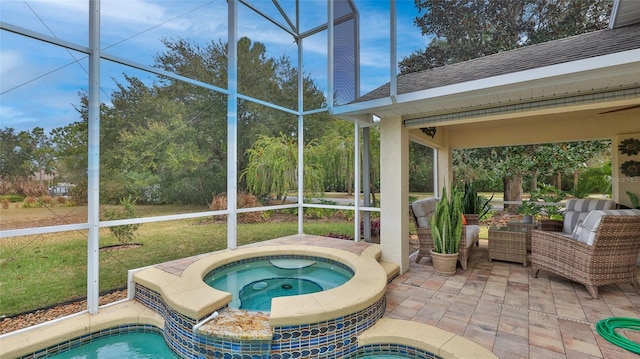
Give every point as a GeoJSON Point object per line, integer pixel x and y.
{"type": "Point", "coordinates": [17, 344]}
{"type": "Point", "coordinates": [422, 336]}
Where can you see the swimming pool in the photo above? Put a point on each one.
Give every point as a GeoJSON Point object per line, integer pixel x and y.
{"type": "Point", "coordinates": [390, 351]}
{"type": "Point", "coordinates": [254, 282]}
{"type": "Point", "coordinates": [131, 341]}
{"type": "Point", "coordinates": [336, 323]}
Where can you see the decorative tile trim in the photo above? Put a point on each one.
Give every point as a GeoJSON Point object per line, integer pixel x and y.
{"type": "Point", "coordinates": [330, 339]}
{"type": "Point", "coordinates": [392, 349]}
{"type": "Point", "coordinates": [85, 339]}
{"type": "Point", "coordinates": [334, 338]}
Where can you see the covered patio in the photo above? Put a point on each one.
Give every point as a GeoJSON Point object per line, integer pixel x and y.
{"type": "Point", "coordinates": [581, 88]}
{"type": "Point", "coordinates": [585, 87]}
{"type": "Point", "coordinates": [502, 307]}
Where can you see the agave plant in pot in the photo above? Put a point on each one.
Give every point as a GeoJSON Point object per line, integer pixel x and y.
{"type": "Point", "coordinates": [446, 228]}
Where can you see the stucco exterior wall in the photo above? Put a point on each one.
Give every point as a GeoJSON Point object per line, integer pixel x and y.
{"type": "Point", "coordinates": [622, 182]}
{"type": "Point", "coordinates": [394, 192]}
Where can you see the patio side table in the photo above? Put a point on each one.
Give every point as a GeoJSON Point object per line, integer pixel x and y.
{"type": "Point", "coordinates": [508, 244]}
{"type": "Point", "coordinates": [521, 226]}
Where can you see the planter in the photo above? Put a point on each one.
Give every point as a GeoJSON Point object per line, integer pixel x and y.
{"type": "Point", "coordinates": [472, 218]}
{"type": "Point", "coordinates": [527, 219]}
{"type": "Point", "coordinates": [444, 264]}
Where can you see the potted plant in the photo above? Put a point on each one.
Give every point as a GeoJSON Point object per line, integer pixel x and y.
{"type": "Point", "coordinates": [553, 220]}
{"type": "Point", "coordinates": [446, 228]}
{"type": "Point", "coordinates": [552, 213]}
{"type": "Point", "coordinates": [474, 206]}
{"type": "Point", "coordinates": [528, 209]}
{"type": "Point", "coordinates": [635, 202]}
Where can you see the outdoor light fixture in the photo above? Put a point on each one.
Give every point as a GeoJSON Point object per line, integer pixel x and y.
{"type": "Point", "coordinates": [375, 119]}
{"type": "Point", "coordinates": [429, 131]}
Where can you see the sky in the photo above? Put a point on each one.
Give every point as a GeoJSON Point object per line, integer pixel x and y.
{"type": "Point", "coordinates": [40, 83]}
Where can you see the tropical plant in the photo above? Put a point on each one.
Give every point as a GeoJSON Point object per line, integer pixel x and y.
{"type": "Point", "coordinates": [472, 203]}
{"type": "Point", "coordinates": [635, 202]}
{"type": "Point", "coordinates": [549, 194]}
{"type": "Point", "coordinates": [529, 208]}
{"type": "Point", "coordinates": [446, 222]}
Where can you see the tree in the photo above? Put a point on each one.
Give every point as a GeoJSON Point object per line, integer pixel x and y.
{"type": "Point", "coordinates": [512, 164]}
{"type": "Point", "coordinates": [15, 159]}
{"type": "Point", "coordinates": [43, 156]}
{"type": "Point", "coordinates": [165, 141]}
{"type": "Point", "coordinates": [508, 163]}
{"type": "Point", "coordinates": [273, 167]}
{"type": "Point", "coordinates": [421, 168]}
{"type": "Point", "coordinates": [465, 29]}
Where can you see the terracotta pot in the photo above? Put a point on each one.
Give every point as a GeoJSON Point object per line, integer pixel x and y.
{"type": "Point", "coordinates": [444, 264]}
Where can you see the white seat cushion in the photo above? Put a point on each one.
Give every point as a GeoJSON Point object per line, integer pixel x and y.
{"type": "Point", "coordinates": [586, 231]}
{"type": "Point", "coordinates": [423, 210]}
{"type": "Point", "coordinates": [473, 232]}
{"type": "Point", "coordinates": [577, 210]}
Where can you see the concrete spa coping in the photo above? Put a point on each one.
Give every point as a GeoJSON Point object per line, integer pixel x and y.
{"type": "Point", "coordinates": [189, 295]}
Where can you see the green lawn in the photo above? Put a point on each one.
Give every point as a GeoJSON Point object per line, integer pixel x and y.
{"type": "Point", "coordinates": [42, 270]}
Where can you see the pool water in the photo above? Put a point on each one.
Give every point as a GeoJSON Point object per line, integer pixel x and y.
{"type": "Point", "coordinates": [390, 351]}
{"type": "Point", "coordinates": [129, 346]}
{"type": "Point", "coordinates": [253, 283]}
{"type": "Point", "coordinates": [388, 355]}
{"type": "Point", "coordinates": [258, 295]}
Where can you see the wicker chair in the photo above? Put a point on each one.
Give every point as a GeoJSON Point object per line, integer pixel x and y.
{"type": "Point", "coordinates": [426, 240]}
{"type": "Point", "coordinates": [611, 258]}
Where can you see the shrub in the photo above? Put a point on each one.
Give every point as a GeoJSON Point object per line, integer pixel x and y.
{"type": "Point", "coordinates": [13, 197]}
{"type": "Point", "coordinates": [5, 203]}
{"type": "Point", "coordinates": [61, 200]}
{"type": "Point", "coordinates": [47, 200]}
{"type": "Point", "coordinates": [30, 202]}
{"type": "Point", "coordinates": [245, 200]}
{"type": "Point", "coordinates": [126, 232]}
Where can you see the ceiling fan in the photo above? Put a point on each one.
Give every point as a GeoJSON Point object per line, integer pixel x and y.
{"type": "Point", "coordinates": [621, 109]}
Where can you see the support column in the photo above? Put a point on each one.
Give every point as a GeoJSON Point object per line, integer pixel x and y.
{"type": "Point", "coordinates": [394, 192]}
{"type": "Point", "coordinates": [232, 126]}
{"type": "Point", "coordinates": [443, 165]}
{"type": "Point", "coordinates": [445, 170]}
{"type": "Point", "coordinates": [93, 170]}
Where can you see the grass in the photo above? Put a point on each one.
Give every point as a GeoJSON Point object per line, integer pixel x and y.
{"type": "Point", "coordinates": [43, 270]}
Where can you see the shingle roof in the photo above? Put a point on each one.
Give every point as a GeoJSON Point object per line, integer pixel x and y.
{"type": "Point", "coordinates": [593, 44]}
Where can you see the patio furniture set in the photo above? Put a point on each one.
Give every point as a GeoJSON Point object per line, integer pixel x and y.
{"type": "Point", "coordinates": [594, 245]}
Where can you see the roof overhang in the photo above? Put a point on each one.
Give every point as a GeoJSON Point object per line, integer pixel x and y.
{"type": "Point", "coordinates": [603, 82]}
{"type": "Point", "coordinates": [599, 81]}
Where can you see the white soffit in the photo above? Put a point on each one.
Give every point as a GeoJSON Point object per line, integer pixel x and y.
{"type": "Point", "coordinates": [593, 75]}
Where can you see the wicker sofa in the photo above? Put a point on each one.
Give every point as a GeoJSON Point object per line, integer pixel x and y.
{"type": "Point", "coordinates": [601, 249]}
{"type": "Point", "coordinates": [578, 209]}
{"type": "Point", "coordinates": [420, 212]}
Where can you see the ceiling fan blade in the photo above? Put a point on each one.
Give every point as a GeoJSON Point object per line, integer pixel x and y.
{"type": "Point", "coordinates": [621, 109]}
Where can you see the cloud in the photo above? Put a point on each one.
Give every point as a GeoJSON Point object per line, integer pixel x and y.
{"type": "Point", "coordinates": [12, 62]}
{"type": "Point", "coordinates": [52, 81]}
